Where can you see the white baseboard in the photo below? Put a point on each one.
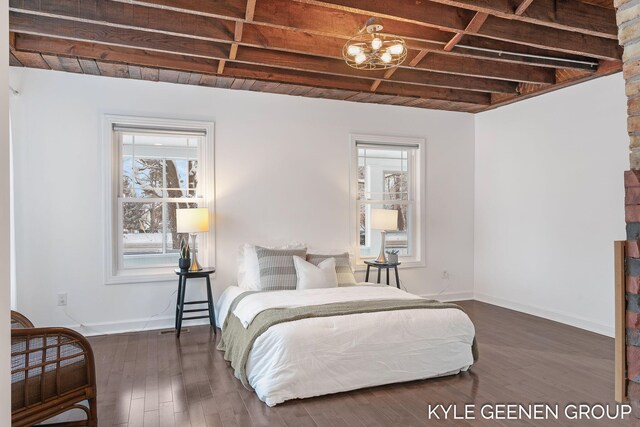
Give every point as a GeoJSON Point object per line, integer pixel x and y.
{"type": "Point", "coordinates": [449, 296]}
{"type": "Point", "coordinates": [167, 322]}
{"type": "Point", "coordinates": [135, 325]}
{"type": "Point", "coordinates": [565, 318]}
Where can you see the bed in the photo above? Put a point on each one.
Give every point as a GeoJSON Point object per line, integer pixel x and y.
{"type": "Point", "coordinates": [322, 355]}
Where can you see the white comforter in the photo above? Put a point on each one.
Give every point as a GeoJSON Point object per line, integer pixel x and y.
{"type": "Point", "coordinates": [312, 357]}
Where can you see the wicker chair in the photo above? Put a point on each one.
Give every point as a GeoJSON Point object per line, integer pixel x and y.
{"type": "Point", "coordinates": [52, 372]}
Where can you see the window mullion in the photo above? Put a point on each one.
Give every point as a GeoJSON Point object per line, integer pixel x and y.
{"type": "Point", "coordinates": [165, 195]}
{"type": "Point", "coordinates": [164, 227]}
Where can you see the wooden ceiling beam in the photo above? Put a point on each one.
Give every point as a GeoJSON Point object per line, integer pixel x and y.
{"type": "Point", "coordinates": [147, 58]}
{"type": "Point", "coordinates": [234, 9]}
{"type": "Point", "coordinates": [237, 36]}
{"type": "Point", "coordinates": [449, 18]}
{"type": "Point", "coordinates": [522, 7]}
{"type": "Point", "coordinates": [269, 73]}
{"type": "Point", "coordinates": [57, 27]}
{"type": "Point", "coordinates": [452, 58]}
{"type": "Point", "coordinates": [197, 26]}
{"type": "Point", "coordinates": [473, 27]}
{"type": "Point", "coordinates": [111, 53]}
{"type": "Point", "coordinates": [287, 14]}
{"type": "Point", "coordinates": [322, 20]}
{"type": "Point", "coordinates": [387, 76]}
{"type": "Point", "coordinates": [416, 60]}
{"type": "Point", "coordinates": [551, 38]}
{"type": "Point", "coordinates": [250, 10]}
{"type": "Point", "coordinates": [478, 68]}
{"type": "Point", "coordinates": [337, 67]}
{"type": "Point", "coordinates": [504, 50]}
{"type": "Point", "coordinates": [45, 26]}
{"type": "Point", "coordinates": [568, 15]}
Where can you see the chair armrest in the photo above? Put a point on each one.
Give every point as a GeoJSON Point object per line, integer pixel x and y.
{"type": "Point", "coordinates": [42, 350]}
{"type": "Point", "coordinates": [19, 320]}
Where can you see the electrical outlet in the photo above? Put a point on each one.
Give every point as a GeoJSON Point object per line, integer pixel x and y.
{"type": "Point", "coordinates": [62, 299]}
{"type": "Point", "coordinates": [445, 275]}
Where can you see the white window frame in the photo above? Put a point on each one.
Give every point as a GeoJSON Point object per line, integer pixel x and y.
{"type": "Point", "coordinates": [417, 259]}
{"type": "Point", "coordinates": [111, 178]}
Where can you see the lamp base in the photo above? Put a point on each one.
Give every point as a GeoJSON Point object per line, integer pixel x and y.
{"type": "Point", "coordinates": [382, 259]}
{"type": "Point", "coordinates": [195, 265]}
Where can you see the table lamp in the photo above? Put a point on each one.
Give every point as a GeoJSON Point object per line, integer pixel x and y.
{"type": "Point", "coordinates": [383, 220]}
{"type": "Point", "coordinates": [192, 221]}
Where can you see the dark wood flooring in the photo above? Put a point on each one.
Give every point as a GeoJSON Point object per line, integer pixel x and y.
{"type": "Point", "coordinates": [148, 379]}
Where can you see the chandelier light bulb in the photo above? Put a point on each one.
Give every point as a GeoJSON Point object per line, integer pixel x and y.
{"type": "Point", "coordinates": [360, 58]}
{"type": "Point", "coordinates": [396, 49]}
{"type": "Point", "coordinates": [386, 57]}
{"type": "Point", "coordinates": [354, 50]}
{"type": "Point", "coordinates": [376, 43]}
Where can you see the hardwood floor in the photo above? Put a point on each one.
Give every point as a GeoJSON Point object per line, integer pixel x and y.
{"type": "Point", "coordinates": [148, 379]}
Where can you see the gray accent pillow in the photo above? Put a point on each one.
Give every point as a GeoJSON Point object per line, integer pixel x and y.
{"type": "Point", "coordinates": [343, 267]}
{"type": "Point", "coordinates": [277, 271]}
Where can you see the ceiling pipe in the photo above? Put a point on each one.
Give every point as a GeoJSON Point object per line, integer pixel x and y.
{"type": "Point", "coordinates": [528, 55]}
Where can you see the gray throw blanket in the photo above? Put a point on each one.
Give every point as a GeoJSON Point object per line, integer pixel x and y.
{"type": "Point", "coordinates": [236, 341]}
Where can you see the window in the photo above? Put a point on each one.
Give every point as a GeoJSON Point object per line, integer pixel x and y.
{"type": "Point", "coordinates": [156, 167]}
{"type": "Point", "coordinates": [388, 175]}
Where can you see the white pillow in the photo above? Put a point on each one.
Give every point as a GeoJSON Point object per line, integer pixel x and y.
{"type": "Point", "coordinates": [312, 277]}
{"type": "Point", "coordinates": [251, 276]}
{"type": "Point", "coordinates": [248, 267]}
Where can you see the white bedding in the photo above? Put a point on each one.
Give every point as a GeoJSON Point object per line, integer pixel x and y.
{"type": "Point", "coordinates": [312, 357]}
{"type": "Point", "coordinates": [249, 308]}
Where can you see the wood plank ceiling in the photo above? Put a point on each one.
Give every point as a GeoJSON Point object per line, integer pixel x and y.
{"type": "Point", "coordinates": [464, 55]}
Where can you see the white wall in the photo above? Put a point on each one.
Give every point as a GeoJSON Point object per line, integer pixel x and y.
{"type": "Point", "coordinates": [282, 173]}
{"type": "Point", "coordinates": [549, 202]}
{"type": "Point", "coordinates": [5, 258]}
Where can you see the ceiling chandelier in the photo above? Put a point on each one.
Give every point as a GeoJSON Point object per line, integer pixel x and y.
{"type": "Point", "coordinates": [371, 49]}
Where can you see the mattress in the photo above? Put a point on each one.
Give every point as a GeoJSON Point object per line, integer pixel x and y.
{"type": "Point", "coordinates": [317, 356]}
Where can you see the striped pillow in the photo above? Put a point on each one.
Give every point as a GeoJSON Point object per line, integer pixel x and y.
{"type": "Point", "coordinates": [343, 267]}
{"type": "Point", "coordinates": [277, 271]}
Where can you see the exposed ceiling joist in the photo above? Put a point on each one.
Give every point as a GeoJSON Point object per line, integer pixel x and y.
{"type": "Point", "coordinates": [522, 7]}
{"type": "Point", "coordinates": [58, 47]}
{"type": "Point", "coordinates": [463, 55]}
{"type": "Point", "coordinates": [47, 26]}
{"type": "Point", "coordinates": [568, 15]}
{"type": "Point", "coordinates": [300, 38]}
{"type": "Point", "coordinates": [472, 27]}
{"type": "Point", "coordinates": [422, 20]}
{"type": "Point", "coordinates": [237, 34]}
{"type": "Point", "coordinates": [449, 18]}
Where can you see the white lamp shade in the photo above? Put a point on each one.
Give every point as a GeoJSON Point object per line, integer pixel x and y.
{"type": "Point", "coordinates": [193, 220]}
{"type": "Point", "coordinates": [384, 219]}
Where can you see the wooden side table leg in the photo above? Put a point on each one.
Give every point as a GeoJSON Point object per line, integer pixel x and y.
{"type": "Point", "coordinates": [387, 277]}
{"type": "Point", "coordinates": [366, 279]}
{"type": "Point", "coordinates": [379, 272]}
{"type": "Point", "coordinates": [212, 316]}
{"type": "Point", "coordinates": [184, 291]}
{"type": "Point", "coordinates": [397, 277]}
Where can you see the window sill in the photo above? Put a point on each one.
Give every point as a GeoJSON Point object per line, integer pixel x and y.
{"type": "Point", "coordinates": [129, 279]}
